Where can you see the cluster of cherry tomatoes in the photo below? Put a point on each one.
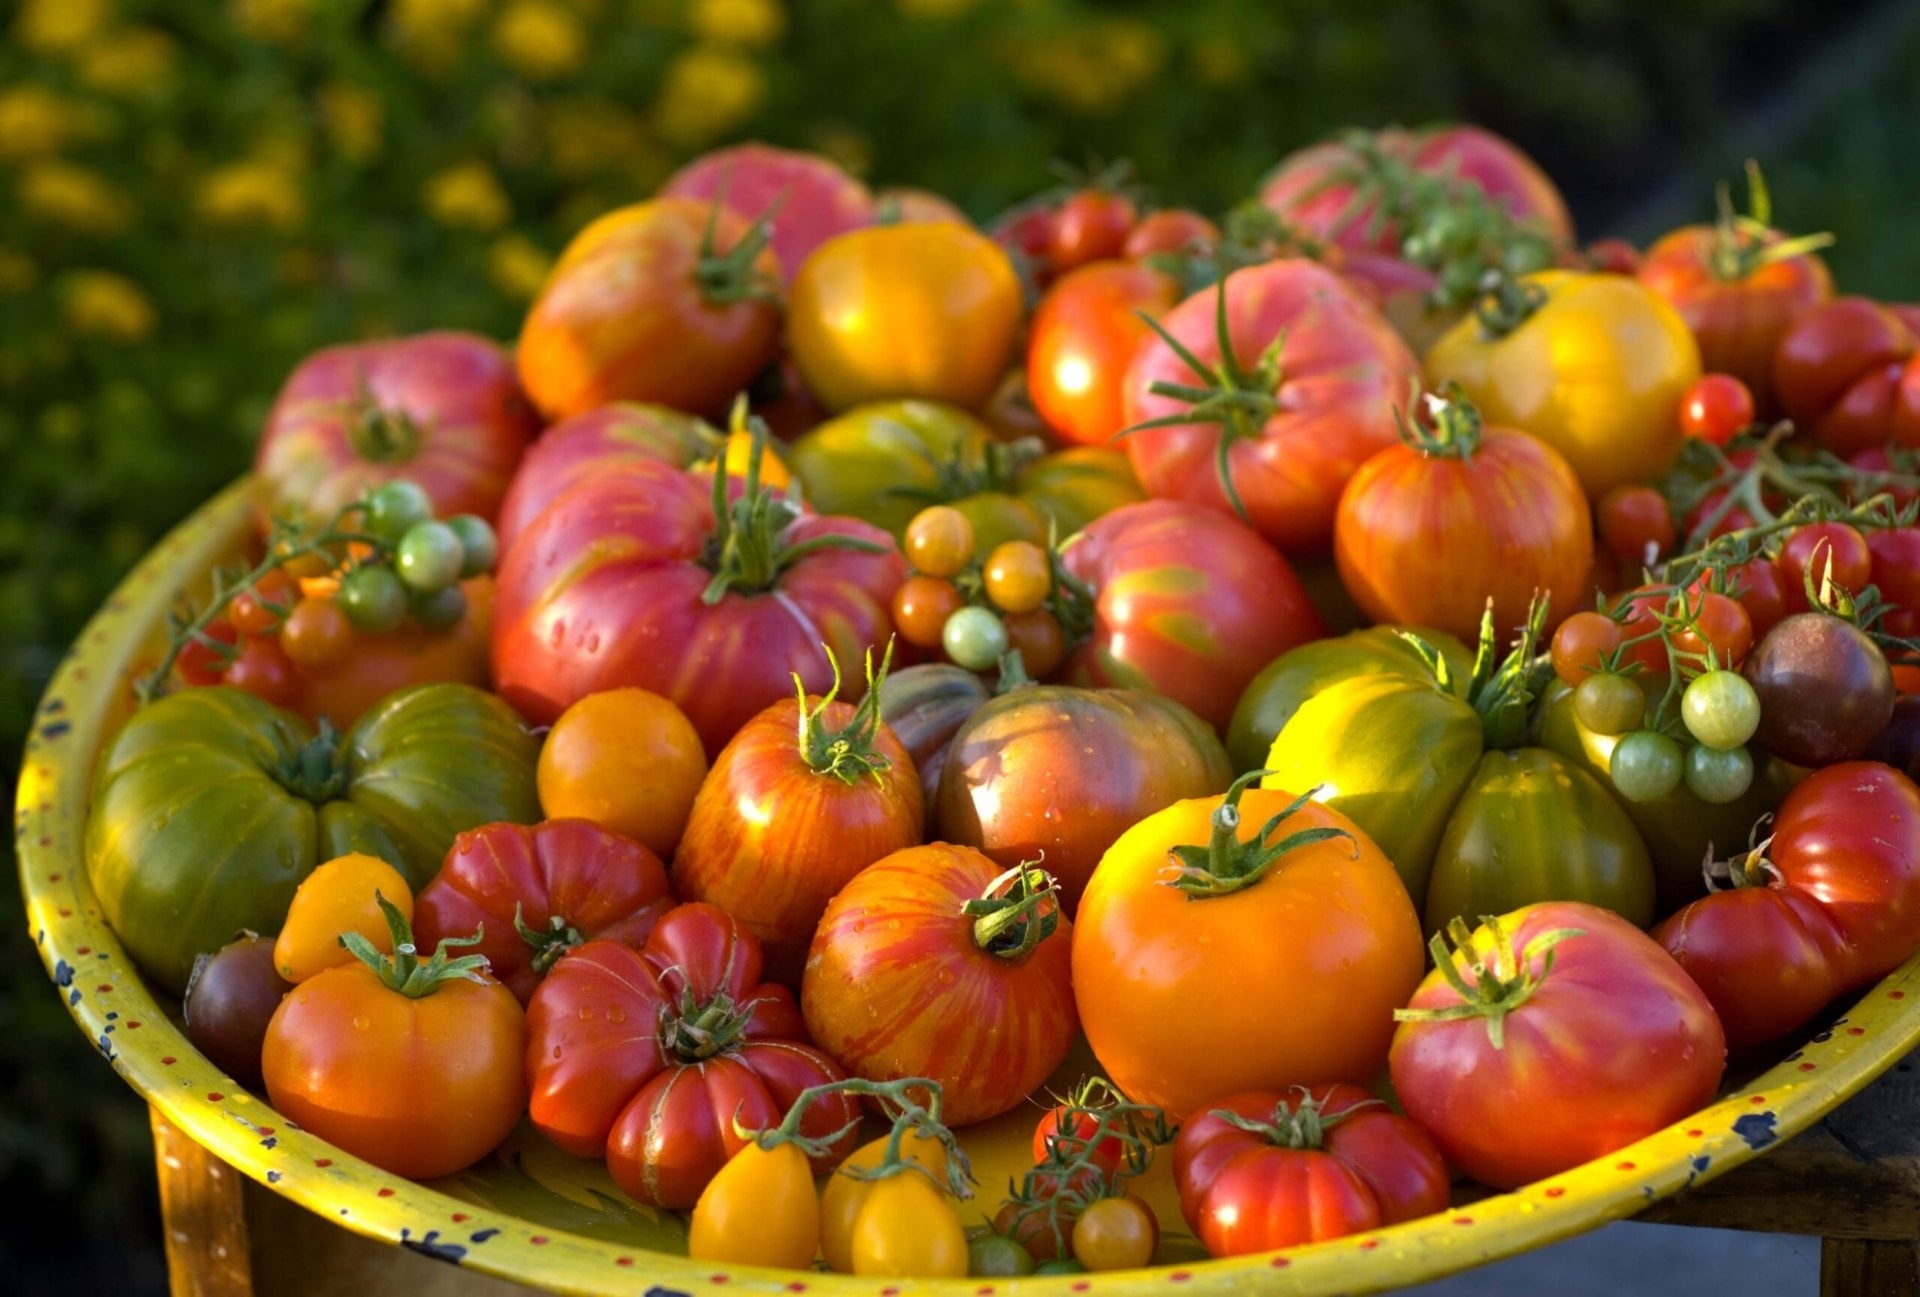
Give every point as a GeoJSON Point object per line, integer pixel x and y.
{"type": "Point", "coordinates": [977, 608]}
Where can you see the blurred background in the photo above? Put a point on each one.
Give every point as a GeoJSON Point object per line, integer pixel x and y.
{"type": "Point", "coordinates": [196, 193]}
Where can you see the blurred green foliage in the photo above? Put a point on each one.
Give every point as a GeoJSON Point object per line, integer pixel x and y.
{"type": "Point", "coordinates": [195, 193]}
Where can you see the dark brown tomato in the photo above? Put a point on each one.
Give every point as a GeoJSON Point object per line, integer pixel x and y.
{"type": "Point", "coordinates": [231, 996]}
{"type": "Point", "coordinates": [1826, 691]}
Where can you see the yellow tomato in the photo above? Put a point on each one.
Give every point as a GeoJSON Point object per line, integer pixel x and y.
{"type": "Point", "coordinates": [924, 310]}
{"type": "Point", "coordinates": [338, 897]}
{"type": "Point", "coordinates": [844, 1196]}
{"type": "Point", "coordinates": [760, 1210]}
{"type": "Point", "coordinates": [907, 1227]}
{"type": "Point", "coordinates": [1597, 371]}
{"type": "Point", "coordinates": [627, 759]}
{"type": "Point", "coordinates": [773, 470]}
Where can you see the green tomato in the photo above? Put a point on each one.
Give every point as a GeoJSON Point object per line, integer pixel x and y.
{"type": "Point", "coordinates": [373, 599]}
{"type": "Point", "coordinates": [974, 638]}
{"type": "Point", "coordinates": [1719, 775]}
{"type": "Point", "coordinates": [1646, 766]}
{"type": "Point", "coordinates": [1721, 710]}
{"type": "Point", "coordinates": [1060, 1265]}
{"type": "Point", "coordinates": [478, 543]}
{"type": "Point", "coordinates": [396, 506]}
{"type": "Point", "coordinates": [993, 1256]}
{"type": "Point", "coordinates": [429, 557]}
{"type": "Point", "coordinates": [440, 609]}
{"type": "Point", "coordinates": [1607, 704]}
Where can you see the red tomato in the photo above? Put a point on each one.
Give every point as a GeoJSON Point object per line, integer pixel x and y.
{"type": "Point", "coordinates": [1334, 381]}
{"type": "Point", "coordinates": [201, 664]}
{"type": "Point", "coordinates": [260, 610]}
{"type": "Point", "coordinates": [924, 965]}
{"type": "Point", "coordinates": [1090, 225]}
{"type": "Point", "coordinates": [808, 197]}
{"type": "Point", "coordinates": [1174, 230]}
{"type": "Point", "coordinates": [1762, 594]}
{"type": "Point", "coordinates": [442, 410]}
{"type": "Point", "coordinates": [1188, 602]}
{"type": "Point", "coordinates": [1636, 524]}
{"type": "Point", "coordinates": [1877, 462]}
{"type": "Point", "coordinates": [1430, 531]}
{"type": "Point", "coordinates": [635, 311]}
{"type": "Point", "coordinates": [608, 587]}
{"type": "Point", "coordinates": [1027, 232]}
{"type": "Point", "coordinates": [1843, 373]}
{"type": "Point", "coordinates": [587, 445]}
{"type": "Point", "coordinates": [1325, 1162]}
{"type": "Point", "coordinates": [1895, 569]}
{"type": "Point", "coordinates": [1716, 409]}
{"type": "Point", "coordinates": [782, 824]}
{"type": "Point", "coordinates": [904, 204]}
{"type": "Point", "coordinates": [1314, 188]}
{"type": "Point", "coordinates": [1613, 257]}
{"type": "Point", "coordinates": [1071, 1130]}
{"type": "Point", "coordinates": [649, 1057]}
{"type": "Point", "coordinates": [263, 669]}
{"type": "Point", "coordinates": [1609, 1045]}
{"type": "Point", "coordinates": [564, 881]}
{"type": "Point", "coordinates": [1083, 338]}
{"type": "Point", "coordinates": [1720, 623]}
{"type": "Point", "coordinates": [1580, 643]}
{"type": "Point", "coordinates": [1820, 549]}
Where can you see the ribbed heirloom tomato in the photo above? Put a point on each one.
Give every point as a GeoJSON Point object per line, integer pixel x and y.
{"type": "Point", "coordinates": [806, 198]}
{"type": "Point", "coordinates": [603, 438]}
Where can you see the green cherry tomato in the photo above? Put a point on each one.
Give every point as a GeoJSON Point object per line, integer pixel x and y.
{"type": "Point", "coordinates": [974, 638]}
{"type": "Point", "coordinates": [439, 609]}
{"type": "Point", "coordinates": [1721, 710]}
{"type": "Point", "coordinates": [1646, 766]}
{"type": "Point", "coordinates": [373, 599]}
{"type": "Point", "coordinates": [994, 1256]}
{"type": "Point", "coordinates": [430, 557]}
{"type": "Point", "coordinates": [477, 542]}
{"type": "Point", "coordinates": [1060, 1265]}
{"type": "Point", "coordinates": [1608, 703]}
{"type": "Point", "coordinates": [1719, 774]}
{"type": "Point", "coordinates": [395, 507]}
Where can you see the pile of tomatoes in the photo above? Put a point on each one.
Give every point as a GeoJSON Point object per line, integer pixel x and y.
{"type": "Point", "coordinates": [840, 658]}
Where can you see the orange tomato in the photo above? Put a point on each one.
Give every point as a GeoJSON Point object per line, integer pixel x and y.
{"type": "Point", "coordinates": [338, 897]}
{"type": "Point", "coordinates": [627, 759]}
{"type": "Point", "coordinates": [921, 310]}
{"type": "Point", "coordinates": [380, 664]}
{"type": "Point", "coordinates": [1291, 979]}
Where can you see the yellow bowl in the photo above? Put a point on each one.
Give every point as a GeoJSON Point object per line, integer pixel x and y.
{"type": "Point", "coordinates": [533, 1215]}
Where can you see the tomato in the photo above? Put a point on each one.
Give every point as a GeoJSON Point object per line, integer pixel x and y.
{"type": "Point", "coordinates": [927, 311]}
{"type": "Point", "coordinates": [908, 1227]}
{"type": "Point", "coordinates": [1762, 594]}
{"type": "Point", "coordinates": [377, 665]}
{"type": "Point", "coordinates": [418, 1072]}
{"type": "Point", "coordinates": [1173, 230]}
{"type": "Point", "coordinates": [1428, 532]}
{"type": "Point", "coordinates": [994, 1255]}
{"type": "Point", "coordinates": [1323, 189]}
{"type": "Point", "coordinates": [1115, 1234]}
{"type": "Point", "coordinates": [316, 635]}
{"type": "Point", "coordinates": [1613, 256]}
{"type": "Point", "coordinates": [1596, 370]}
{"type": "Point", "coordinates": [1760, 953]}
{"type": "Point", "coordinates": [443, 410]}
{"type": "Point", "coordinates": [845, 1195]}
{"type": "Point", "coordinates": [1581, 642]}
{"type": "Point", "coordinates": [260, 609]}
{"type": "Point", "coordinates": [1820, 550]}
{"type": "Point", "coordinates": [629, 761]}
{"type": "Point", "coordinates": [1887, 469]}
{"type": "Point", "coordinates": [1565, 1059]}
{"type": "Point", "coordinates": [616, 571]}
{"type": "Point", "coordinates": [1039, 639]}
{"type": "Point", "coordinates": [209, 807]}
{"type": "Point", "coordinates": [1320, 1163]}
{"type": "Point", "coordinates": [200, 661]}
{"type": "Point", "coordinates": [1084, 337]}
{"type": "Point", "coordinates": [939, 541]}
{"type": "Point", "coordinates": [1719, 624]}
{"type": "Point", "coordinates": [1636, 524]}
{"type": "Point", "coordinates": [1895, 565]}
{"type": "Point", "coordinates": [1026, 232]}
{"type": "Point", "coordinates": [1322, 369]}
{"type": "Point", "coordinates": [780, 825]}
{"type": "Point", "coordinates": [1018, 576]}
{"type": "Point", "coordinates": [1090, 225]}
{"type": "Point", "coordinates": [1845, 374]}
{"type": "Point", "coordinates": [340, 896]}
{"type": "Point", "coordinates": [1294, 951]}
{"type": "Point", "coordinates": [534, 893]}
{"type": "Point", "coordinates": [807, 198]}
{"type": "Point", "coordinates": [590, 444]}
{"type": "Point", "coordinates": [759, 1209]}
{"type": "Point", "coordinates": [1720, 709]}
{"type": "Point", "coordinates": [1826, 690]}
{"type": "Point", "coordinates": [1188, 602]}
{"type": "Point", "coordinates": [262, 668]}
{"type": "Point", "coordinates": [230, 998]}
{"type": "Point", "coordinates": [665, 1060]}
{"type": "Point", "coordinates": [1071, 1129]}
{"type": "Point", "coordinates": [921, 607]}
{"type": "Point", "coordinates": [1022, 757]}
{"type": "Point", "coordinates": [887, 462]}
{"type": "Point", "coordinates": [672, 301]}
{"type": "Point", "coordinates": [925, 706]}
{"type": "Point", "coordinates": [1716, 409]}
{"type": "Point", "coordinates": [903, 204]}
{"type": "Point", "coordinates": [997, 952]}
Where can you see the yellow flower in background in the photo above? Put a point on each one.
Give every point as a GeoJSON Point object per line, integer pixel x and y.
{"type": "Point", "coordinates": [34, 121]}
{"type": "Point", "coordinates": [59, 26]}
{"type": "Point", "coordinates": [467, 197]}
{"type": "Point", "coordinates": [1094, 68]}
{"type": "Point", "coordinates": [1218, 61]}
{"type": "Point", "coordinates": [100, 303]}
{"type": "Point", "coordinates": [752, 23]}
{"type": "Point", "coordinates": [517, 266]}
{"type": "Point", "coordinates": [279, 22]}
{"type": "Point", "coordinates": [354, 118]}
{"type": "Point", "coordinates": [252, 193]}
{"type": "Point", "coordinates": [62, 194]}
{"type": "Point", "coordinates": [847, 146]}
{"type": "Point", "coordinates": [18, 272]}
{"type": "Point", "coordinates": [432, 32]}
{"type": "Point", "coordinates": [933, 8]}
{"type": "Point", "coordinates": [585, 137]}
{"type": "Point", "coordinates": [707, 91]}
{"type": "Point", "coordinates": [539, 39]}
{"type": "Point", "coordinates": [132, 63]}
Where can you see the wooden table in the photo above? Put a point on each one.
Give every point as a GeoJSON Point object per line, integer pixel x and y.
{"type": "Point", "coordinates": [1853, 1180]}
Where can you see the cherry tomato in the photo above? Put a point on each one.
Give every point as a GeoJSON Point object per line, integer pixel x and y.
{"type": "Point", "coordinates": [259, 610]}
{"type": "Point", "coordinates": [1174, 229]}
{"type": "Point", "coordinates": [1071, 1130]}
{"type": "Point", "coordinates": [628, 760]}
{"type": "Point", "coordinates": [1720, 624]}
{"type": "Point", "coordinates": [316, 635]}
{"type": "Point", "coordinates": [231, 996]}
{"type": "Point", "coordinates": [338, 897]}
{"type": "Point", "coordinates": [995, 1256]}
{"type": "Point", "coordinates": [1762, 594]}
{"type": "Point", "coordinates": [939, 541]}
{"type": "Point", "coordinates": [1115, 1234]}
{"type": "Point", "coordinates": [429, 557]}
{"type": "Point", "coordinates": [1646, 765]}
{"type": "Point", "coordinates": [438, 610]}
{"type": "Point", "coordinates": [1580, 642]}
{"type": "Point", "coordinates": [975, 638]}
{"type": "Point", "coordinates": [262, 669]}
{"type": "Point", "coordinates": [1040, 641]}
{"type": "Point", "coordinates": [1019, 576]}
{"type": "Point", "coordinates": [1636, 524]}
{"type": "Point", "coordinates": [1811, 548]}
{"type": "Point", "coordinates": [1716, 409]}
{"type": "Point", "coordinates": [201, 664]}
{"type": "Point", "coordinates": [373, 599]}
{"type": "Point", "coordinates": [480, 546]}
{"type": "Point", "coordinates": [1721, 710]}
{"type": "Point", "coordinates": [395, 507]}
{"type": "Point", "coordinates": [921, 607]}
{"type": "Point", "coordinates": [761, 1209]}
{"type": "Point", "coordinates": [1896, 565]}
{"type": "Point", "coordinates": [1091, 225]}
{"type": "Point", "coordinates": [1608, 704]}
{"type": "Point", "coordinates": [1719, 776]}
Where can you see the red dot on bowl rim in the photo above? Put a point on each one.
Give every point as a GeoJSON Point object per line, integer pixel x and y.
{"type": "Point", "coordinates": [889, 1292]}
{"type": "Point", "coordinates": [52, 878]}
{"type": "Point", "coordinates": [214, 1096]}
{"type": "Point", "coordinates": [623, 1260]}
{"type": "Point", "coordinates": [81, 950]}
{"type": "Point", "coordinates": [385, 1192]}
{"type": "Point", "coordinates": [103, 988]}
{"type": "Point", "coordinates": [1856, 1031]}
{"type": "Point", "coordinates": [168, 1060]}
{"type": "Point", "coordinates": [984, 1290]}
{"type": "Point", "coordinates": [538, 1240]}
{"type": "Point", "coordinates": [1807, 1067]}
{"type": "Point", "coordinates": [1081, 1285]}
{"type": "Point", "coordinates": [796, 1286]}
{"type": "Point", "coordinates": [1281, 1262]}
{"type": "Point", "coordinates": [1180, 1276]}
{"type": "Point", "coordinates": [720, 1278]}
{"type": "Point", "coordinates": [1758, 1098]}
{"type": "Point", "coordinates": [1695, 1132]}
{"type": "Point", "coordinates": [1463, 1220]}
{"type": "Point", "coordinates": [133, 1026]}
{"type": "Point", "coordinates": [1368, 1244]}
{"type": "Point", "coordinates": [323, 1162]}
{"type": "Point", "coordinates": [1896, 995]}
{"type": "Point", "coordinates": [459, 1217]}
{"type": "Point", "coordinates": [1554, 1191]}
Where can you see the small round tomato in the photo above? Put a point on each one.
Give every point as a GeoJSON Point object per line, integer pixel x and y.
{"type": "Point", "coordinates": [1607, 703]}
{"type": "Point", "coordinates": [1071, 1129]}
{"type": "Point", "coordinates": [260, 609]}
{"type": "Point", "coordinates": [1820, 550]}
{"type": "Point", "coordinates": [373, 599]}
{"type": "Point", "coordinates": [230, 998]}
{"type": "Point", "coordinates": [1090, 225]}
{"type": "Point", "coordinates": [262, 669]}
{"type": "Point", "coordinates": [1762, 594]}
{"type": "Point", "coordinates": [201, 662]}
{"type": "Point", "coordinates": [1115, 1234]}
{"type": "Point", "coordinates": [343, 895]}
{"type": "Point", "coordinates": [316, 635]}
{"type": "Point", "coordinates": [1721, 710]}
{"type": "Point", "coordinates": [1580, 643]}
{"type": "Point", "coordinates": [1175, 230]}
{"type": "Point", "coordinates": [975, 638]}
{"type": "Point", "coordinates": [1716, 409]}
{"type": "Point", "coordinates": [628, 760]}
{"type": "Point", "coordinates": [1720, 625]}
{"type": "Point", "coordinates": [1896, 565]}
{"type": "Point", "coordinates": [1646, 766]}
{"type": "Point", "coordinates": [1018, 575]}
{"type": "Point", "coordinates": [761, 1209]}
{"type": "Point", "coordinates": [921, 607]}
{"type": "Point", "coordinates": [1039, 640]}
{"type": "Point", "coordinates": [1636, 524]}
{"type": "Point", "coordinates": [939, 541]}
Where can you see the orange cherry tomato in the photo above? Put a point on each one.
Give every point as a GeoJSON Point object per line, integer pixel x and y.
{"type": "Point", "coordinates": [337, 897]}
{"type": "Point", "coordinates": [1579, 643]}
{"type": "Point", "coordinates": [1019, 576]}
{"type": "Point", "coordinates": [316, 635]}
{"type": "Point", "coordinates": [939, 540]}
{"type": "Point", "coordinates": [921, 607]}
{"type": "Point", "coordinates": [380, 664]}
{"type": "Point", "coordinates": [628, 760]}
{"type": "Point", "coordinates": [1720, 624]}
{"type": "Point", "coordinates": [262, 669]}
{"type": "Point", "coordinates": [260, 610]}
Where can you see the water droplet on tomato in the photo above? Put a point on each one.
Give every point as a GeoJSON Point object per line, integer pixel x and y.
{"type": "Point", "coordinates": [361, 1022]}
{"type": "Point", "coordinates": [593, 642]}
{"type": "Point", "coordinates": [616, 1014]}
{"type": "Point", "coordinates": [586, 1013]}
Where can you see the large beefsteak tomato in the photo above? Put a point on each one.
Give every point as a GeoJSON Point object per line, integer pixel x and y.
{"type": "Point", "coordinates": [1846, 374]}
{"type": "Point", "coordinates": [589, 444]}
{"type": "Point", "coordinates": [804, 197]}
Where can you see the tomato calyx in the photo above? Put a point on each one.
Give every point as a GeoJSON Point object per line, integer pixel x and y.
{"type": "Point", "coordinates": [550, 942]}
{"type": "Point", "coordinates": [1081, 1166]}
{"type": "Point", "coordinates": [1502, 689]}
{"type": "Point", "coordinates": [1020, 909]}
{"type": "Point", "coordinates": [1503, 980]}
{"type": "Point", "coordinates": [1238, 398]}
{"type": "Point", "coordinates": [1300, 1124]}
{"type": "Point", "coordinates": [1744, 245]}
{"type": "Point", "coordinates": [696, 1032]}
{"type": "Point", "coordinates": [730, 277]}
{"type": "Point", "coordinates": [402, 972]}
{"type": "Point", "coordinates": [1225, 864]}
{"type": "Point", "coordinates": [315, 773]}
{"type": "Point", "coordinates": [379, 434]}
{"type": "Point", "coordinates": [1505, 303]}
{"type": "Point", "coordinates": [1456, 426]}
{"type": "Point", "coordinates": [846, 754]}
{"type": "Point", "coordinates": [1750, 869]}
